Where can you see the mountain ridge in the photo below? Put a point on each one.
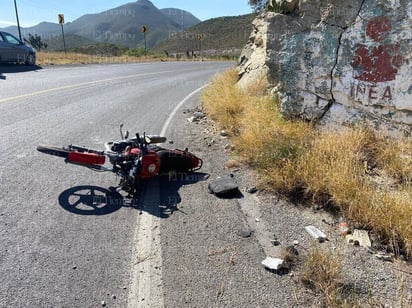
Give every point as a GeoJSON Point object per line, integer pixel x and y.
{"type": "Point", "coordinates": [119, 25]}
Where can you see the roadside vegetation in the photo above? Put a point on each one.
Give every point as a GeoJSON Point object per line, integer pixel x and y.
{"type": "Point", "coordinates": [62, 58]}
{"type": "Point", "coordinates": [138, 55]}
{"type": "Point", "coordinates": [354, 171]}
{"type": "Point", "coordinates": [214, 39]}
{"type": "Point", "coordinates": [363, 175]}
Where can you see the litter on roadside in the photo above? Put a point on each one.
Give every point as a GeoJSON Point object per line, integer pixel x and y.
{"type": "Point", "coordinates": [273, 264]}
{"type": "Point", "coordinates": [316, 233]}
{"type": "Point", "coordinates": [359, 237]}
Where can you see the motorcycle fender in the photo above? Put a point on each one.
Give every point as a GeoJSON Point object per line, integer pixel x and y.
{"type": "Point", "coordinates": [178, 160]}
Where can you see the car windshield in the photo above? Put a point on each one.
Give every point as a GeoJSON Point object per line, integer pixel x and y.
{"type": "Point", "coordinates": [11, 39]}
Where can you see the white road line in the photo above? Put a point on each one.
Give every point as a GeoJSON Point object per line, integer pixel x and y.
{"type": "Point", "coordinates": [169, 119]}
{"type": "Point", "coordinates": [146, 289]}
{"type": "Point", "coordinates": [77, 85]}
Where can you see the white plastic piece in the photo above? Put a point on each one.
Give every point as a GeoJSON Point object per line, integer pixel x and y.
{"type": "Point", "coordinates": [273, 263]}
{"type": "Point", "coordinates": [316, 233]}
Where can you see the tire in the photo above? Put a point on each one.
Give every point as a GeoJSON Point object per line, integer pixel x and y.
{"type": "Point", "coordinates": [52, 150]}
{"type": "Point", "coordinates": [30, 60]}
{"type": "Point", "coordinates": [175, 160]}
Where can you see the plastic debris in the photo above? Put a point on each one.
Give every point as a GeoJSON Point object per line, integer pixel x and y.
{"type": "Point", "coordinates": [273, 264]}
{"type": "Point", "coordinates": [359, 237]}
{"type": "Point", "coordinates": [316, 233]}
{"type": "Point", "coordinates": [343, 226]}
{"type": "Point", "coordinates": [384, 257]}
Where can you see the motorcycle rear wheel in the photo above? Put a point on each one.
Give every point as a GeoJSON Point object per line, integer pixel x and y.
{"type": "Point", "coordinates": [53, 150]}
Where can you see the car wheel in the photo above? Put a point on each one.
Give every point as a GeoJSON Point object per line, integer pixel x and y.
{"type": "Point", "coordinates": [31, 59]}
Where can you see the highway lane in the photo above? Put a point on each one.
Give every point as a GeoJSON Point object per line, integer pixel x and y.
{"type": "Point", "coordinates": [52, 256]}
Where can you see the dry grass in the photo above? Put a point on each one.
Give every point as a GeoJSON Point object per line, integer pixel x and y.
{"type": "Point", "coordinates": [322, 274]}
{"type": "Point", "coordinates": [225, 112]}
{"type": "Point", "coordinates": [365, 175]}
{"type": "Point", "coordinates": [61, 58]}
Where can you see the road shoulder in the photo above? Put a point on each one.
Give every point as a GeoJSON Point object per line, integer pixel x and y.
{"type": "Point", "coordinates": [208, 262]}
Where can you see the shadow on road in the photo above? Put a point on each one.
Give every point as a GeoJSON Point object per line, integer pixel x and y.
{"type": "Point", "coordinates": [90, 200]}
{"type": "Point", "coordinates": [159, 199]}
{"type": "Point", "coordinates": [16, 68]}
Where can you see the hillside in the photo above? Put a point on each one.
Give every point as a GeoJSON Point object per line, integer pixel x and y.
{"type": "Point", "coordinates": [223, 35]}
{"type": "Point", "coordinates": [120, 25]}
{"type": "Point", "coordinates": [181, 18]}
{"type": "Point", "coordinates": [169, 29]}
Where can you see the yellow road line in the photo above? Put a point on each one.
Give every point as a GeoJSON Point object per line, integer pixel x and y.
{"type": "Point", "coordinates": [71, 86]}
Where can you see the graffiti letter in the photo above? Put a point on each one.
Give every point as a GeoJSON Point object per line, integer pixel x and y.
{"type": "Point", "coordinates": [372, 91]}
{"type": "Point", "coordinates": [387, 93]}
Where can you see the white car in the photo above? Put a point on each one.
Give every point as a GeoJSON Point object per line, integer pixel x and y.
{"type": "Point", "coordinates": [12, 50]}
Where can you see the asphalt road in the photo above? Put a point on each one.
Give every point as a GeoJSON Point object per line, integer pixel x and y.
{"type": "Point", "coordinates": [63, 244]}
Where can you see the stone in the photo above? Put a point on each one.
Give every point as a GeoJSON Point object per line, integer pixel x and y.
{"type": "Point", "coordinates": [284, 6]}
{"type": "Point", "coordinates": [336, 62]}
{"type": "Point", "coordinates": [245, 233]}
{"type": "Point", "coordinates": [192, 119]}
{"type": "Point", "coordinates": [224, 133]}
{"type": "Point", "coordinates": [275, 242]}
{"type": "Point", "coordinates": [316, 233]}
{"type": "Point", "coordinates": [199, 115]}
{"type": "Point", "coordinates": [252, 61]}
{"type": "Point", "coordinates": [224, 186]}
{"type": "Point", "coordinates": [252, 190]}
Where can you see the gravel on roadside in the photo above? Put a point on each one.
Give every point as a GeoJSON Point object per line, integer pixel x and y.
{"type": "Point", "coordinates": [213, 247]}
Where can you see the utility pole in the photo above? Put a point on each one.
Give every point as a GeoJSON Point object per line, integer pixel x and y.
{"type": "Point", "coordinates": [60, 17]}
{"type": "Point", "coordinates": [200, 39]}
{"type": "Point", "coordinates": [18, 22]}
{"type": "Point", "coordinates": [144, 31]}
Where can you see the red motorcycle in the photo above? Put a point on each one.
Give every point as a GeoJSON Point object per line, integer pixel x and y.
{"type": "Point", "coordinates": [132, 159]}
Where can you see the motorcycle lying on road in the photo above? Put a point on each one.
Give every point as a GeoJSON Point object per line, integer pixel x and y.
{"type": "Point", "coordinates": [132, 159]}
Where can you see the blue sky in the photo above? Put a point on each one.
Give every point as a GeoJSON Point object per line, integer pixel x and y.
{"type": "Point", "coordinates": [32, 12]}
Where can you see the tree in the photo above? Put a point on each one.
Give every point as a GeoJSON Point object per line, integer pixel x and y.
{"type": "Point", "coordinates": [258, 5]}
{"type": "Point", "coordinates": [36, 41]}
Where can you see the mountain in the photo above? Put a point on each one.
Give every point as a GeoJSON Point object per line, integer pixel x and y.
{"type": "Point", "coordinates": [121, 25]}
{"type": "Point", "coordinates": [222, 35]}
{"type": "Point", "coordinates": [181, 18]}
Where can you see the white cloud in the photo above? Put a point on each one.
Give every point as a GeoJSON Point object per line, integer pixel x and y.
{"type": "Point", "coordinates": [5, 23]}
